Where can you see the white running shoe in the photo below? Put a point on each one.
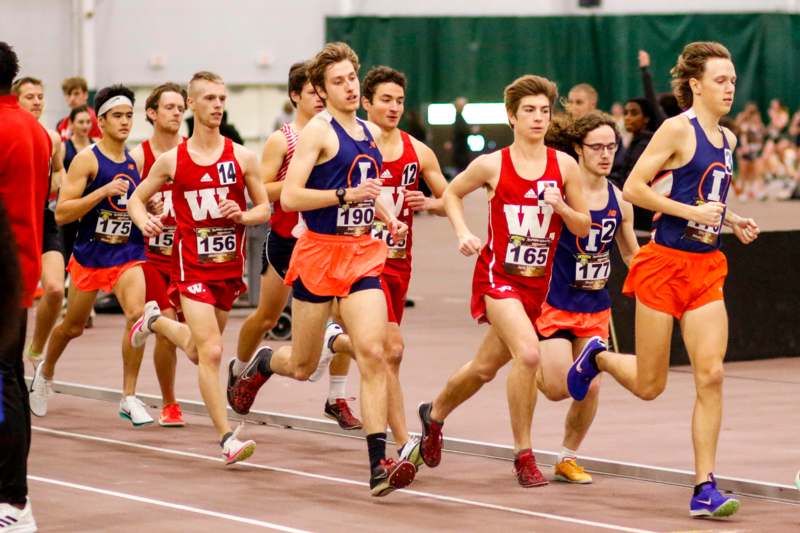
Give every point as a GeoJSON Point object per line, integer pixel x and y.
{"type": "Point", "coordinates": [13, 520]}
{"type": "Point", "coordinates": [331, 330]}
{"type": "Point", "coordinates": [141, 328]}
{"type": "Point", "coordinates": [235, 450]}
{"type": "Point", "coordinates": [40, 390]}
{"type": "Point", "coordinates": [133, 409]}
{"type": "Point", "coordinates": [411, 452]}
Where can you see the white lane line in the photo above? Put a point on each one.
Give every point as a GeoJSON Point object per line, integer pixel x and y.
{"type": "Point", "coordinates": [162, 503]}
{"type": "Point", "coordinates": [429, 495]}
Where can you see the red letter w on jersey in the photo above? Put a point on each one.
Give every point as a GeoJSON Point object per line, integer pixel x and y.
{"type": "Point", "coordinates": [208, 204]}
{"type": "Point", "coordinates": [535, 220]}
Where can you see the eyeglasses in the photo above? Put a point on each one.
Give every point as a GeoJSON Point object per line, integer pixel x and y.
{"type": "Point", "coordinates": [599, 147]}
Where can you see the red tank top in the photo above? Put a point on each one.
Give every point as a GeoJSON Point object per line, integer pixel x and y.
{"type": "Point", "coordinates": [523, 230]}
{"type": "Point", "coordinates": [397, 175]}
{"type": "Point", "coordinates": [208, 246]}
{"type": "Point", "coordinates": [281, 221]}
{"type": "Point", "coordinates": [159, 249]}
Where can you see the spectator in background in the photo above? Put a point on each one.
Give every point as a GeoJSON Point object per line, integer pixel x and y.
{"type": "Point", "coordinates": [25, 151]}
{"type": "Point", "coordinates": [460, 133]}
{"type": "Point", "coordinates": [581, 99]}
{"type": "Point", "coordinates": [749, 153]}
{"type": "Point", "coordinates": [618, 114]}
{"type": "Point", "coordinates": [639, 118]}
{"type": "Point", "coordinates": [664, 105]}
{"type": "Point", "coordinates": [286, 116]}
{"type": "Point", "coordinates": [76, 94]}
{"type": "Point", "coordinates": [415, 126]}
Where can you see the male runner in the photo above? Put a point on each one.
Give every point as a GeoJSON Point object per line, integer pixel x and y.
{"type": "Point", "coordinates": [578, 304]}
{"type": "Point", "coordinates": [108, 250]}
{"type": "Point", "coordinates": [30, 93]}
{"type": "Point", "coordinates": [333, 179]}
{"type": "Point", "coordinates": [581, 99]}
{"type": "Point", "coordinates": [681, 272]}
{"type": "Point", "coordinates": [164, 108]}
{"type": "Point", "coordinates": [209, 175]}
{"type": "Point", "coordinates": [527, 184]}
{"type": "Point", "coordinates": [76, 94]}
{"type": "Point", "coordinates": [284, 229]}
{"type": "Point", "coordinates": [405, 160]}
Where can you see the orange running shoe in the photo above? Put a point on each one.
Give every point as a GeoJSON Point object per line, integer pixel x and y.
{"type": "Point", "coordinates": [171, 416]}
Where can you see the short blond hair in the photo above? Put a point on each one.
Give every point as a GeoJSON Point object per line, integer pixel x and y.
{"type": "Point", "coordinates": [332, 53]}
{"type": "Point", "coordinates": [528, 85]}
{"type": "Point", "coordinates": [16, 87]}
{"type": "Point", "coordinates": [204, 75]}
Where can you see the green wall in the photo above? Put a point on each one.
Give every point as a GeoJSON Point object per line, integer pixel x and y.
{"type": "Point", "coordinates": [477, 56]}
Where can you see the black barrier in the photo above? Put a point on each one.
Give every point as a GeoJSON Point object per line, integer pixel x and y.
{"type": "Point", "coordinates": [761, 294]}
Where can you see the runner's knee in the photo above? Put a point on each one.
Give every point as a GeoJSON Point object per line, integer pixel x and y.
{"type": "Point", "coordinates": [72, 330]}
{"type": "Point", "coordinates": [210, 352]}
{"type": "Point", "coordinates": [651, 390]}
{"type": "Point", "coordinates": [529, 356]}
{"type": "Point", "coordinates": [485, 372]}
{"type": "Point", "coordinates": [710, 377]}
{"type": "Point", "coordinates": [394, 353]}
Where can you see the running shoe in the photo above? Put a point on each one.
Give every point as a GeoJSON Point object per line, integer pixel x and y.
{"type": "Point", "coordinates": [332, 330]}
{"type": "Point", "coordinates": [13, 520]}
{"type": "Point", "coordinates": [584, 369]}
{"type": "Point", "coordinates": [245, 388]}
{"type": "Point", "coordinates": [570, 471]}
{"type": "Point", "coordinates": [340, 411]}
{"type": "Point", "coordinates": [41, 389]}
{"type": "Point", "coordinates": [528, 474]}
{"type": "Point", "coordinates": [234, 450]}
{"type": "Point", "coordinates": [410, 451]}
{"type": "Point", "coordinates": [797, 480]}
{"type": "Point", "coordinates": [133, 409]}
{"type": "Point", "coordinates": [431, 441]}
{"type": "Point", "coordinates": [390, 475]}
{"type": "Point", "coordinates": [231, 381]}
{"type": "Point", "coordinates": [141, 328]}
{"type": "Point", "coordinates": [709, 502]}
{"type": "Point", "coordinates": [171, 416]}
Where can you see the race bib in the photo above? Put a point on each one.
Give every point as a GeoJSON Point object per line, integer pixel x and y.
{"type": "Point", "coordinates": [113, 227]}
{"type": "Point", "coordinates": [527, 256]}
{"type": "Point", "coordinates": [397, 249]}
{"type": "Point", "coordinates": [355, 219]}
{"type": "Point", "coordinates": [216, 245]}
{"type": "Point", "coordinates": [162, 244]}
{"type": "Point", "coordinates": [592, 271]}
{"type": "Point", "coordinates": [702, 233]}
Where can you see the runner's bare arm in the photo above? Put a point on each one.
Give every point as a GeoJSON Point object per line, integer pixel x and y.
{"type": "Point", "coordinates": [573, 211]}
{"type": "Point", "coordinates": [665, 144]}
{"type": "Point", "coordinates": [478, 174]}
{"type": "Point", "coordinates": [295, 196]}
{"type": "Point", "coordinates": [271, 160]}
{"type": "Point", "coordinates": [161, 172]}
{"type": "Point", "coordinates": [56, 161]}
{"type": "Point", "coordinates": [72, 204]}
{"type": "Point", "coordinates": [137, 154]}
{"type": "Point", "coordinates": [626, 236]}
{"type": "Point", "coordinates": [259, 213]}
{"type": "Point", "coordinates": [432, 174]}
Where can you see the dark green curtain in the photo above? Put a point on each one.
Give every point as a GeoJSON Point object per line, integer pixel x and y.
{"type": "Point", "coordinates": [445, 57]}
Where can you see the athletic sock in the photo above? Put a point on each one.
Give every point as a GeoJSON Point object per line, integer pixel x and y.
{"type": "Point", "coordinates": [238, 366]}
{"type": "Point", "coordinates": [376, 446]}
{"type": "Point", "coordinates": [566, 453]}
{"type": "Point", "coordinates": [331, 341]}
{"type": "Point", "coordinates": [338, 388]}
{"type": "Point", "coordinates": [224, 438]}
{"type": "Point", "coordinates": [32, 354]}
{"type": "Point", "coordinates": [264, 366]}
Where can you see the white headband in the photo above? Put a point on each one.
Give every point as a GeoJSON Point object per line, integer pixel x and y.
{"type": "Point", "coordinates": [114, 102]}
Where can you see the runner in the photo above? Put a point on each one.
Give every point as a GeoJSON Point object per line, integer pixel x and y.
{"type": "Point", "coordinates": [527, 184]}
{"type": "Point", "coordinates": [405, 160]}
{"type": "Point", "coordinates": [333, 179]}
{"type": "Point", "coordinates": [578, 304]}
{"type": "Point", "coordinates": [284, 229]}
{"type": "Point", "coordinates": [209, 175]}
{"type": "Point", "coordinates": [76, 94]}
{"type": "Point", "coordinates": [683, 176]}
{"type": "Point", "coordinates": [108, 250]}
{"type": "Point", "coordinates": [30, 93]}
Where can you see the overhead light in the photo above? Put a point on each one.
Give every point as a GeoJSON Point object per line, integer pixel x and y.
{"type": "Point", "coordinates": [488, 113]}
{"type": "Point", "coordinates": [476, 142]}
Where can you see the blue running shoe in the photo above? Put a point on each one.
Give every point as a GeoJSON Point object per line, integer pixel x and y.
{"type": "Point", "coordinates": [711, 502]}
{"type": "Point", "coordinates": [584, 369]}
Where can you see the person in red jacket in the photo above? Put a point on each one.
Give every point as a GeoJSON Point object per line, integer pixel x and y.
{"type": "Point", "coordinates": [25, 150]}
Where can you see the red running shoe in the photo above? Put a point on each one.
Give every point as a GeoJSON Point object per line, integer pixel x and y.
{"type": "Point", "coordinates": [340, 411]}
{"type": "Point", "coordinates": [528, 474]}
{"type": "Point", "coordinates": [431, 441]}
{"type": "Point", "coordinates": [390, 475]}
{"type": "Point", "coordinates": [244, 390]}
{"type": "Point", "coordinates": [171, 416]}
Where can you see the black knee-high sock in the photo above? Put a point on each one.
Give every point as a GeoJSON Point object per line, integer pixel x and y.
{"type": "Point", "coordinates": [376, 446]}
